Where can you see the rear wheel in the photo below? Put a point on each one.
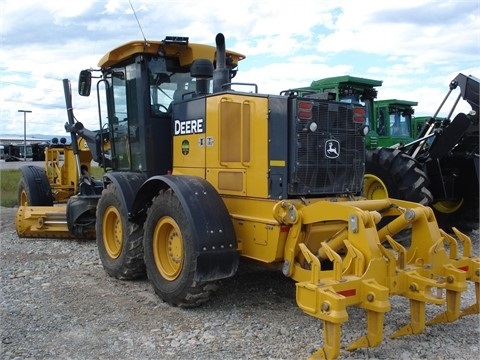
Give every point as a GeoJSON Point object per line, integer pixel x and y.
{"type": "Point", "coordinates": [119, 242]}
{"type": "Point", "coordinates": [34, 188]}
{"type": "Point", "coordinates": [462, 214]}
{"type": "Point", "coordinates": [170, 256]}
{"type": "Point", "coordinates": [461, 211]}
{"type": "Point", "coordinates": [392, 173]}
{"type": "Point", "coordinates": [374, 187]}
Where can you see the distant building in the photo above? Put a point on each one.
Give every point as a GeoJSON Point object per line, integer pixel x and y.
{"type": "Point", "coordinates": [16, 139]}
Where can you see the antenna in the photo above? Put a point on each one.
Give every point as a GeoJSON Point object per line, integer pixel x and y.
{"type": "Point", "coordinates": [140, 26]}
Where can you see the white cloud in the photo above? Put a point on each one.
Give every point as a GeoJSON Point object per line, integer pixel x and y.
{"type": "Point", "coordinates": [415, 47]}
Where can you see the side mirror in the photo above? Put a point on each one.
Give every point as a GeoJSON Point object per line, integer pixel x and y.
{"type": "Point", "coordinates": [84, 82]}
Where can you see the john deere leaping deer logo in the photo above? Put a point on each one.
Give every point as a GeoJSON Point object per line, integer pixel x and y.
{"type": "Point", "coordinates": [332, 149]}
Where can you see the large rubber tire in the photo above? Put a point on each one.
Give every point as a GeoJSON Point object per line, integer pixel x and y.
{"type": "Point", "coordinates": [34, 188]}
{"type": "Point", "coordinates": [170, 253]}
{"type": "Point", "coordinates": [463, 215]}
{"type": "Point", "coordinates": [401, 176]}
{"type": "Point", "coordinates": [119, 242]}
{"type": "Point", "coordinates": [464, 212]}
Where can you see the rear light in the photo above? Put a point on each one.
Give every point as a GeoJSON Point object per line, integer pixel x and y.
{"type": "Point", "coordinates": [359, 115]}
{"type": "Point", "coordinates": [304, 110]}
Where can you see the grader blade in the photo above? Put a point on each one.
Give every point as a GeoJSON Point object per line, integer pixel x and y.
{"type": "Point", "coordinates": [365, 273]}
{"type": "Point", "coordinates": [43, 222]}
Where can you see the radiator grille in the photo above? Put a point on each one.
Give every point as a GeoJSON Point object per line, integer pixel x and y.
{"type": "Point", "coordinates": [329, 159]}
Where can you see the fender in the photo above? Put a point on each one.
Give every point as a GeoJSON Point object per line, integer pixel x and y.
{"type": "Point", "coordinates": [128, 185]}
{"type": "Point", "coordinates": [214, 236]}
{"type": "Point", "coordinates": [80, 212]}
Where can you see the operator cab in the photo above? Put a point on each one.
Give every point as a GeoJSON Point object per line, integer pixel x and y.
{"type": "Point", "coordinates": [141, 82]}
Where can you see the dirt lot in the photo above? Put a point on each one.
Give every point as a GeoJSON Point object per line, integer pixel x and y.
{"type": "Point", "coordinates": [56, 302]}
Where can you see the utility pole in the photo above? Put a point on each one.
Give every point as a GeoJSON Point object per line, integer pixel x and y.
{"type": "Point", "coordinates": [25, 133]}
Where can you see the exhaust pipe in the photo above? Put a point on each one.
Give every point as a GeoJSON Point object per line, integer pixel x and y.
{"type": "Point", "coordinates": [221, 74]}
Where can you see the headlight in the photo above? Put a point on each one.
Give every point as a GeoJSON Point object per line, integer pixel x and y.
{"type": "Point", "coordinates": [363, 130]}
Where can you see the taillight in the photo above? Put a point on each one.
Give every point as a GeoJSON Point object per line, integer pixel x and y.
{"type": "Point", "coordinates": [304, 110]}
{"type": "Point", "coordinates": [359, 115]}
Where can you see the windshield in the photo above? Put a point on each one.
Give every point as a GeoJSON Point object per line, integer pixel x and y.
{"type": "Point", "coordinates": [168, 83]}
{"type": "Point", "coordinates": [400, 123]}
{"type": "Point", "coordinates": [166, 88]}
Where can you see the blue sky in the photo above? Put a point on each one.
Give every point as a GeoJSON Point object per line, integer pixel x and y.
{"type": "Point", "coordinates": [414, 47]}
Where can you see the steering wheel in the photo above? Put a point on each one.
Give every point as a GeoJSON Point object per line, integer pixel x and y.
{"type": "Point", "coordinates": [159, 109]}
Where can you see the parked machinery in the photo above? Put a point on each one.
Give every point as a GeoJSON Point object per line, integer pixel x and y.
{"type": "Point", "coordinates": [444, 156]}
{"type": "Point", "coordinates": [448, 181]}
{"type": "Point", "coordinates": [201, 176]}
{"type": "Point", "coordinates": [383, 117]}
{"type": "Point", "coordinates": [64, 179]}
{"type": "Point", "coordinates": [17, 152]}
{"type": "Point", "coordinates": [390, 122]}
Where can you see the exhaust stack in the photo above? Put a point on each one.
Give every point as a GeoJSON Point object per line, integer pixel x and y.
{"type": "Point", "coordinates": [221, 74]}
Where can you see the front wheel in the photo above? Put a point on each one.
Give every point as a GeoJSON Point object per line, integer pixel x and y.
{"type": "Point", "coordinates": [34, 188]}
{"type": "Point", "coordinates": [119, 242]}
{"type": "Point", "coordinates": [170, 256]}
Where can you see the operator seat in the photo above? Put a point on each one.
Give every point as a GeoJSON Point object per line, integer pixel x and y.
{"type": "Point", "coordinates": [178, 94]}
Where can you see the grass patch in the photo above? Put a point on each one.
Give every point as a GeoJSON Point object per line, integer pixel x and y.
{"type": "Point", "coordinates": [96, 172]}
{"type": "Point", "coordinates": [9, 179]}
{"type": "Point", "coordinates": [9, 186]}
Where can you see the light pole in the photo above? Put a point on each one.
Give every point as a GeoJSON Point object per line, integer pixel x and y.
{"type": "Point", "coordinates": [25, 133]}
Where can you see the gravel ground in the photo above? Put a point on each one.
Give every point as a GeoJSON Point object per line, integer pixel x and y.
{"type": "Point", "coordinates": [57, 302]}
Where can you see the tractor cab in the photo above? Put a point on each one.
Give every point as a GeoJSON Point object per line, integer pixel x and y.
{"type": "Point", "coordinates": [392, 122]}
{"type": "Point", "coordinates": [346, 88]}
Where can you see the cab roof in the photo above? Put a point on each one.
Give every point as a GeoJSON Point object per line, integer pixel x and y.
{"type": "Point", "coordinates": [346, 79]}
{"type": "Point", "coordinates": [185, 52]}
{"type": "Point", "coordinates": [396, 102]}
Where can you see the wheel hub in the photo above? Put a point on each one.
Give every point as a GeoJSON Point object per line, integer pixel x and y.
{"type": "Point", "coordinates": [112, 232]}
{"type": "Point", "coordinates": [374, 188]}
{"type": "Point", "coordinates": [168, 248]}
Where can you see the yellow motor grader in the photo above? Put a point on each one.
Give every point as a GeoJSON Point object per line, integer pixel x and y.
{"type": "Point", "coordinates": [203, 172]}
